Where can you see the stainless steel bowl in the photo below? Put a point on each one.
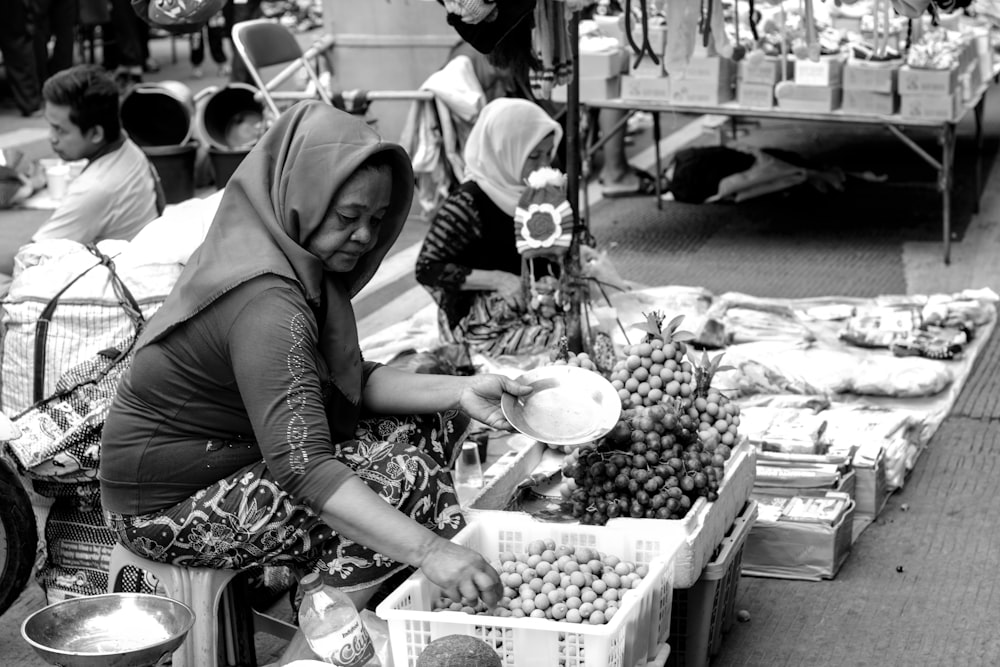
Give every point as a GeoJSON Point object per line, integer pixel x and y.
{"type": "Point", "coordinates": [113, 630]}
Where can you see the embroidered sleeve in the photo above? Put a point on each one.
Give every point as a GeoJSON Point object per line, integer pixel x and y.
{"type": "Point", "coordinates": [272, 347]}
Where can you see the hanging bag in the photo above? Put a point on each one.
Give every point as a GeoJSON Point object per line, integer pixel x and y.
{"type": "Point", "coordinates": [60, 434]}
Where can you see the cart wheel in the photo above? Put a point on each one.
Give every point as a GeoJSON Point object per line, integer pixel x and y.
{"type": "Point", "coordinates": [18, 537]}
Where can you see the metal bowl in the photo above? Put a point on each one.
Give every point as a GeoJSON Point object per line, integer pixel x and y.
{"type": "Point", "coordinates": [113, 630]}
{"type": "Point", "coordinates": [569, 405]}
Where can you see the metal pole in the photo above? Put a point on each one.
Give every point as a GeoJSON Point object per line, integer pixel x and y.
{"type": "Point", "coordinates": [574, 330]}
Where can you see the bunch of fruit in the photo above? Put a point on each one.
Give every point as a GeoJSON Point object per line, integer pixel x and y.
{"type": "Point", "coordinates": [565, 583]}
{"type": "Point", "coordinates": [656, 367]}
{"type": "Point", "coordinates": [668, 449]}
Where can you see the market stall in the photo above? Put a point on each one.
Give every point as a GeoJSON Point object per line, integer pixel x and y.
{"type": "Point", "coordinates": [839, 69]}
{"type": "Point", "coordinates": [837, 399]}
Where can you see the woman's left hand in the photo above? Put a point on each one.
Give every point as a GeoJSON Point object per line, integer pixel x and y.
{"type": "Point", "coordinates": [480, 399]}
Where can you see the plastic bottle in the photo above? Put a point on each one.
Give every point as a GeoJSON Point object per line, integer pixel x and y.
{"type": "Point", "coordinates": [333, 627]}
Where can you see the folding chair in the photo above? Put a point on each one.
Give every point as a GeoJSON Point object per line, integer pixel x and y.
{"type": "Point", "coordinates": [265, 43]}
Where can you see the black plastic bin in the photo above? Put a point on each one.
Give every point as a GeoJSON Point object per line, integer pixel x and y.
{"type": "Point", "coordinates": [175, 165]}
{"type": "Point", "coordinates": [224, 163]}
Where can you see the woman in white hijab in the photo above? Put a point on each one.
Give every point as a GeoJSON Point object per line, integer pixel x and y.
{"type": "Point", "coordinates": [469, 261]}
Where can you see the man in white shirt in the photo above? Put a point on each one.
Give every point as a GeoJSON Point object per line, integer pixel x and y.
{"type": "Point", "coordinates": [118, 192]}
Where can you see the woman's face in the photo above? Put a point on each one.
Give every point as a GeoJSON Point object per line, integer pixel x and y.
{"type": "Point", "coordinates": [540, 156]}
{"type": "Point", "coordinates": [351, 227]}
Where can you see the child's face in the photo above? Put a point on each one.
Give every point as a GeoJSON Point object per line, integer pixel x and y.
{"type": "Point", "coordinates": [68, 141]}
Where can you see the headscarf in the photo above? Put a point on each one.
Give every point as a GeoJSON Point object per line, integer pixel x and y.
{"type": "Point", "coordinates": [505, 133]}
{"type": "Point", "coordinates": [274, 201]}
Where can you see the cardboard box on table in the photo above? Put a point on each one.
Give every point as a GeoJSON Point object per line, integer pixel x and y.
{"type": "Point", "coordinates": [699, 533]}
{"type": "Point", "coordinates": [591, 90]}
{"type": "Point", "coordinates": [707, 80]}
{"type": "Point", "coordinates": [809, 550]}
{"type": "Point", "coordinates": [869, 102]}
{"type": "Point", "coordinates": [809, 98]}
{"type": "Point", "coordinates": [913, 81]}
{"type": "Point", "coordinates": [604, 64]}
{"type": "Point", "coordinates": [755, 95]}
{"type": "Point", "coordinates": [645, 88]}
{"type": "Point", "coordinates": [876, 77]}
{"type": "Point", "coordinates": [756, 79]}
{"type": "Point", "coordinates": [765, 70]}
{"type": "Point", "coordinates": [931, 106]}
{"type": "Point", "coordinates": [828, 71]}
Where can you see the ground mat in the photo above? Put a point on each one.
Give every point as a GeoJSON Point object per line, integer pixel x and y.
{"type": "Point", "coordinates": [723, 254]}
{"type": "Point", "coordinates": [918, 587]}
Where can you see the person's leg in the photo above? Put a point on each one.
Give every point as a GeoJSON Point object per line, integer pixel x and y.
{"type": "Point", "coordinates": [18, 50]}
{"type": "Point", "coordinates": [216, 38]}
{"type": "Point", "coordinates": [615, 165]}
{"type": "Point", "coordinates": [127, 41]}
{"type": "Point", "coordinates": [62, 21]}
{"type": "Point", "coordinates": [197, 41]}
{"type": "Point", "coordinates": [39, 14]}
{"type": "Point", "coordinates": [236, 13]}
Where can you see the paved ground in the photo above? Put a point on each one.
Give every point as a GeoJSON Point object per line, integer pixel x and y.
{"type": "Point", "coordinates": [941, 609]}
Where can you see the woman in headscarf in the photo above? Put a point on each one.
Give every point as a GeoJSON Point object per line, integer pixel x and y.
{"type": "Point", "coordinates": [469, 260]}
{"type": "Point", "coordinates": [236, 438]}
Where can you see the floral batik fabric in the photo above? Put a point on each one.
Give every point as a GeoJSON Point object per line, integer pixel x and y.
{"type": "Point", "coordinates": [247, 520]}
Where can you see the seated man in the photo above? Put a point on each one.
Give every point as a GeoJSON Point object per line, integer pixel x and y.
{"type": "Point", "coordinates": [118, 192]}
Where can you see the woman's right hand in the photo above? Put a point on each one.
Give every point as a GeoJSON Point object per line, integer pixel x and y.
{"type": "Point", "coordinates": [509, 287]}
{"type": "Point", "coordinates": [463, 573]}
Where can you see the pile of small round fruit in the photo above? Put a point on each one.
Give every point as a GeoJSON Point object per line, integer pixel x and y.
{"type": "Point", "coordinates": [565, 583]}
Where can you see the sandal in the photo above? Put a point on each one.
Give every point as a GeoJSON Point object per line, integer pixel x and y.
{"type": "Point", "coordinates": [643, 184]}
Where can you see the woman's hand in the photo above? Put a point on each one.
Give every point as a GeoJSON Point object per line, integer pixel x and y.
{"type": "Point", "coordinates": [463, 573]}
{"type": "Point", "coordinates": [480, 399]}
{"type": "Point", "coordinates": [509, 288]}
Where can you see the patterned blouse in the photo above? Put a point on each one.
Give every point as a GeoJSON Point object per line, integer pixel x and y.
{"type": "Point", "coordinates": [468, 232]}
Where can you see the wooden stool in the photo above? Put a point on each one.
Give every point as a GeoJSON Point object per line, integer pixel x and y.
{"type": "Point", "coordinates": [204, 590]}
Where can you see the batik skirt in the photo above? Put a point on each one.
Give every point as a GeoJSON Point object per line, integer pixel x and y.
{"type": "Point", "coordinates": [246, 520]}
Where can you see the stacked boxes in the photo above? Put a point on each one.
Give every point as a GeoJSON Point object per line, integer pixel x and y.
{"type": "Point", "coordinates": [600, 75]}
{"type": "Point", "coordinates": [818, 86]}
{"type": "Point", "coordinates": [708, 80]}
{"type": "Point", "coordinates": [929, 94]}
{"type": "Point", "coordinates": [870, 87]}
{"type": "Point", "coordinates": [757, 79]}
{"type": "Point", "coordinates": [647, 80]}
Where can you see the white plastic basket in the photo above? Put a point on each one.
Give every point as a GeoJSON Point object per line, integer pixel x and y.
{"type": "Point", "coordinates": [633, 637]}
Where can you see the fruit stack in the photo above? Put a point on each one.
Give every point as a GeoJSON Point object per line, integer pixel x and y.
{"type": "Point", "coordinates": [671, 444]}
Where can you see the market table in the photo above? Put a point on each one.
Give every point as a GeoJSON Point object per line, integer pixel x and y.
{"type": "Point", "coordinates": [895, 124]}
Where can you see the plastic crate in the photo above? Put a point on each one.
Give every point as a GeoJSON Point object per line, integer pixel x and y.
{"type": "Point", "coordinates": [700, 531]}
{"type": "Point", "coordinates": [633, 637]}
{"type": "Point", "coordinates": [703, 613]}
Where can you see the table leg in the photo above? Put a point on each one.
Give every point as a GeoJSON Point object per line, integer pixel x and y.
{"type": "Point", "coordinates": [945, 185]}
{"type": "Point", "coordinates": [658, 175]}
{"type": "Point", "coordinates": [978, 114]}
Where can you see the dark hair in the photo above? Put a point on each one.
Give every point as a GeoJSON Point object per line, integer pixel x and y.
{"type": "Point", "coordinates": [378, 161]}
{"type": "Point", "coordinates": [91, 95]}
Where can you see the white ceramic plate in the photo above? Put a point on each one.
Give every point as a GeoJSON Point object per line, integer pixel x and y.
{"type": "Point", "coordinates": [569, 406]}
